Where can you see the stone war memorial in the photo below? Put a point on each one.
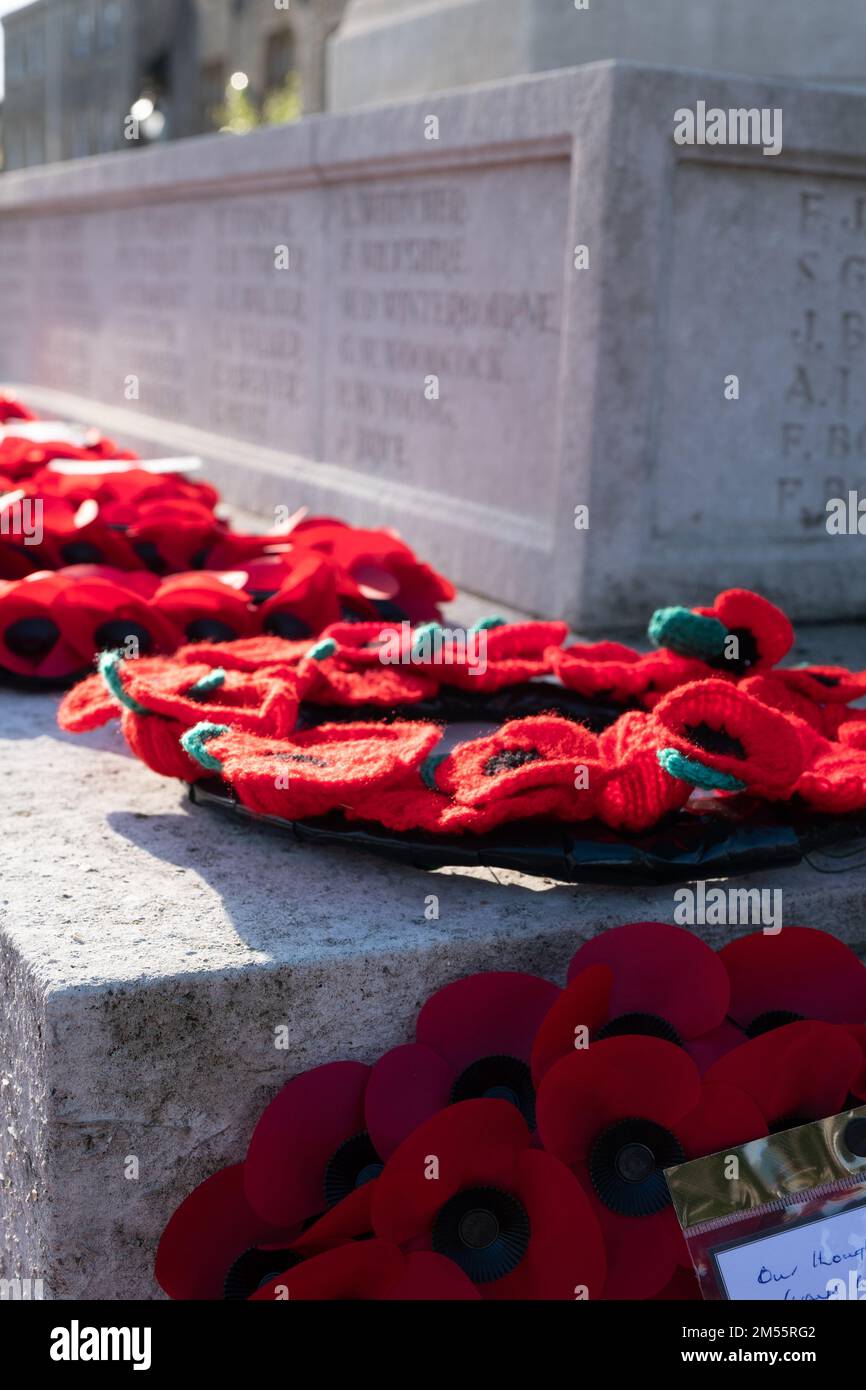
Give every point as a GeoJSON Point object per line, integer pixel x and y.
{"type": "Point", "coordinates": [433, 682]}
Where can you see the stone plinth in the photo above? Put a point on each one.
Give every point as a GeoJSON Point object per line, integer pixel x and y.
{"type": "Point", "coordinates": [351, 315]}
{"type": "Point", "coordinates": [149, 951]}
{"type": "Point", "coordinates": [387, 50]}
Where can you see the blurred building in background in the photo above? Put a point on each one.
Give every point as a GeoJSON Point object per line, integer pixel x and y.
{"type": "Point", "coordinates": [75, 69]}
{"type": "Point", "coordinates": [388, 50]}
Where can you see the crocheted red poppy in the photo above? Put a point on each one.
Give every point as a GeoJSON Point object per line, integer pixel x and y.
{"type": "Point", "coordinates": [610, 671]}
{"type": "Point", "coordinates": [645, 978]}
{"type": "Point", "coordinates": [798, 974]}
{"type": "Point", "coordinates": [205, 607]}
{"type": "Point", "coordinates": [619, 1113]}
{"type": "Point", "coordinates": [374, 1271]}
{"type": "Point", "coordinates": [763, 633]}
{"type": "Point", "coordinates": [473, 1040]}
{"type": "Point", "coordinates": [513, 1219]}
{"type": "Point", "coordinates": [772, 690]}
{"type": "Point", "coordinates": [716, 728]}
{"type": "Point", "coordinates": [543, 751]}
{"type": "Point", "coordinates": [35, 637]}
{"type": "Point", "coordinates": [327, 683]}
{"type": "Point", "coordinates": [489, 656]}
{"type": "Point", "coordinates": [798, 1073]}
{"type": "Point", "coordinates": [824, 685]}
{"type": "Point", "coordinates": [637, 792]}
{"type": "Point", "coordinates": [190, 694]}
{"type": "Point", "coordinates": [264, 654]}
{"type": "Point", "coordinates": [327, 768]}
{"type": "Point", "coordinates": [835, 780]}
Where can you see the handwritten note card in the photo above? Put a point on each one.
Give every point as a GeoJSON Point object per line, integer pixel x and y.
{"type": "Point", "coordinates": [813, 1261]}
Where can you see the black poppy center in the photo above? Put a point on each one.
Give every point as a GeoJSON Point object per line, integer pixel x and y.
{"type": "Point", "coordinates": [150, 557]}
{"type": "Point", "coordinates": [829, 681]}
{"type": "Point", "coordinates": [509, 759]}
{"type": "Point", "coordinates": [255, 1268]}
{"type": "Point", "coordinates": [627, 1166]}
{"type": "Point", "coordinates": [483, 1230]}
{"type": "Point", "coordinates": [80, 553]}
{"type": "Point", "coordinates": [711, 740]}
{"type": "Point", "coordinates": [498, 1078]}
{"type": "Point", "coordinates": [647, 1025]}
{"type": "Point", "coordinates": [747, 651]}
{"type": "Point", "coordinates": [354, 1164]}
{"type": "Point", "coordinates": [771, 1020]}
{"type": "Point", "coordinates": [288, 626]}
{"type": "Point", "coordinates": [32, 638]}
{"type": "Point", "coordinates": [117, 632]}
{"type": "Point", "coordinates": [210, 630]}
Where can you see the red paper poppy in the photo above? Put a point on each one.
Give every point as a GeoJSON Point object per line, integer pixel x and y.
{"type": "Point", "coordinates": [473, 1039]}
{"type": "Point", "coordinates": [13, 409]}
{"type": "Point", "coordinates": [35, 640]}
{"type": "Point", "coordinates": [206, 608]}
{"type": "Point", "coordinates": [374, 1271]}
{"type": "Point", "coordinates": [800, 973]}
{"type": "Point", "coordinates": [619, 1113]}
{"type": "Point", "coordinates": [311, 1148]}
{"type": "Point", "coordinates": [644, 978]}
{"type": "Point", "coordinates": [468, 1185]}
{"type": "Point", "coordinates": [307, 599]}
{"type": "Point", "coordinates": [172, 534]}
{"type": "Point", "coordinates": [381, 565]}
{"type": "Point", "coordinates": [100, 614]}
{"type": "Point", "coordinates": [211, 1230]}
{"type": "Point", "coordinates": [796, 1074]}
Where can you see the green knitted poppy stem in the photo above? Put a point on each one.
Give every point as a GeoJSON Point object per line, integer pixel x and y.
{"type": "Point", "coordinates": [485, 623]}
{"type": "Point", "coordinates": [428, 770]}
{"type": "Point", "coordinates": [212, 681]}
{"type": "Point", "coordinates": [193, 742]}
{"type": "Point", "coordinates": [676, 764]}
{"type": "Point", "coordinates": [109, 669]}
{"type": "Point", "coordinates": [422, 632]}
{"type": "Point", "coordinates": [321, 650]}
{"type": "Point", "coordinates": [687, 633]}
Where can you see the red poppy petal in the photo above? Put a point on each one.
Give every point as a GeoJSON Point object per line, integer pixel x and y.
{"type": "Point", "coordinates": [303, 1126]}
{"type": "Point", "coordinates": [406, 1087]}
{"type": "Point", "coordinates": [362, 1270]}
{"type": "Point", "coordinates": [643, 1252]}
{"type": "Point", "coordinates": [725, 1116]}
{"type": "Point", "coordinates": [709, 1047]}
{"type": "Point", "coordinates": [350, 1219]}
{"type": "Point", "coordinates": [496, 1013]}
{"type": "Point", "coordinates": [585, 1003]}
{"type": "Point", "coordinates": [427, 1276]}
{"type": "Point", "coordinates": [682, 1288]}
{"type": "Point", "coordinates": [566, 1256]}
{"type": "Point", "coordinates": [800, 970]}
{"type": "Point", "coordinates": [211, 1228]}
{"type": "Point", "coordinates": [800, 1072]}
{"type": "Point", "coordinates": [660, 969]}
{"type": "Point", "coordinates": [474, 1143]}
{"type": "Point", "coordinates": [619, 1078]}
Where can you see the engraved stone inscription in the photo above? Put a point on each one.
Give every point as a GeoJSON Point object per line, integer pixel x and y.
{"type": "Point", "coordinates": [444, 301]}
{"type": "Point", "coordinates": [768, 282]}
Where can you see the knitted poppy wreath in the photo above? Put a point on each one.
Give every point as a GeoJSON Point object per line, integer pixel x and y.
{"type": "Point", "coordinates": [720, 735]}
{"type": "Point", "coordinates": [550, 1155]}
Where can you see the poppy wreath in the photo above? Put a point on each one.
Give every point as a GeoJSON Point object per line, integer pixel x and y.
{"type": "Point", "coordinates": [106, 517]}
{"type": "Point", "coordinates": [548, 1115]}
{"type": "Point", "coordinates": [710, 734]}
